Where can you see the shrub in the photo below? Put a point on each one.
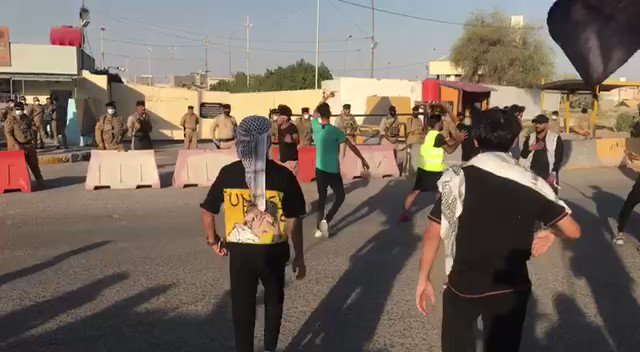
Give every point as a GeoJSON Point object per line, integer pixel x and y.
{"type": "Point", "coordinates": [624, 122]}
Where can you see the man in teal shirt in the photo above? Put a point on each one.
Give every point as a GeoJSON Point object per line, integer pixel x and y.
{"type": "Point", "coordinates": [328, 139]}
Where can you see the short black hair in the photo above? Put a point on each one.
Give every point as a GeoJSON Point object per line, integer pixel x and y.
{"type": "Point", "coordinates": [415, 108]}
{"type": "Point", "coordinates": [190, 107]}
{"type": "Point", "coordinates": [226, 106]}
{"type": "Point", "coordinates": [346, 106]}
{"type": "Point", "coordinates": [324, 110]}
{"type": "Point", "coordinates": [110, 104]}
{"type": "Point", "coordinates": [584, 110]}
{"type": "Point", "coordinates": [284, 110]}
{"type": "Point", "coordinates": [11, 100]}
{"type": "Point", "coordinates": [305, 109]}
{"type": "Point", "coordinates": [392, 108]}
{"type": "Point", "coordinates": [516, 109]}
{"type": "Point", "coordinates": [496, 130]}
{"type": "Point", "coordinates": [555, 112]}
{"type": "Point", "coordinates": [19, 105]}
{"type": "Point", "coordinates": [434, 120]}
{"type": "Point", "coordinates": [140, 103]}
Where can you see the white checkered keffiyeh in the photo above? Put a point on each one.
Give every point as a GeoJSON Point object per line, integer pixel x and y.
{"type": "Point", "coordinates": [252, 141]}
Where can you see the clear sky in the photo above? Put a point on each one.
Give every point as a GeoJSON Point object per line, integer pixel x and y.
{"type": "Point", "coordinates": [283, 31]}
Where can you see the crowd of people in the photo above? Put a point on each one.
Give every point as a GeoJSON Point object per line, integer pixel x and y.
{"type": "Point", "coordinates": [494, 210]}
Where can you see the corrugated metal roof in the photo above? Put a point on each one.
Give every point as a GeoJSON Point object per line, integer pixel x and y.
{"type": "Point", "coordinates": [467, 86]}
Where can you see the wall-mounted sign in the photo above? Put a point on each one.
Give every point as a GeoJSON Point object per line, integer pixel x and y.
{"type": "Point", "coordinates": [210, 110]}
{"type": "Point", "coordinates": [5, 47]}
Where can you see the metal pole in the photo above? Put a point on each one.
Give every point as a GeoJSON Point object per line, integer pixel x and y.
{"type": "Point", "coordinates": [149, 77]}
{"type": "Point", "coordinates": [373, 35]}
{"type": "Point", "coordinates": [172, 50]}
{"type": "Point", "coordinates": [230, 35]}
{"type": "Point", "coordinates": [317, 38]}
{"type": "Point", "coordinates": [248, 27]}
{"type": "Point", "coordinates": [102, 46]}
{"type": "Point", "coordinates": [345, 54]}
{"type": "Point", "coordinates": [206, 55]}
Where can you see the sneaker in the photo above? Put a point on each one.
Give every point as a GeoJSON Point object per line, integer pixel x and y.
{"type": "Point", "coordinates": [404, 217]}
{"type": "Point", "coordinates": [318, 233]}
{"type": "Point", "coordinates": [619, 239]}
{"type": "Point", "coordinates": [324, 228]}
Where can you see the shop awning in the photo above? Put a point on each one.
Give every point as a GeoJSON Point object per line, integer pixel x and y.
{"type": "Point", "coordinates": [37, 77]}
{"type": "Point", "coordinates": [467, 86]}
{"type": "Point", "coordinates": [578, 85]}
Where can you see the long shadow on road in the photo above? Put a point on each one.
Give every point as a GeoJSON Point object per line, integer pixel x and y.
{"type": "Point", "coordinates": [594, 258]}
{"type": "Point", "coordinates": [347, 317]}
{"type": "Point", "coordinates": [8, 277]}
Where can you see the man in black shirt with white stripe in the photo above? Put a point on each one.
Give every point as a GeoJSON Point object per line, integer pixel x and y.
{"type": "Point", "coordinates": [486, 217]}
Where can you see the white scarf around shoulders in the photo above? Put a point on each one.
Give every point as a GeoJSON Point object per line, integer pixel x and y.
{"type": "Point", "coordinates": [452, 189]}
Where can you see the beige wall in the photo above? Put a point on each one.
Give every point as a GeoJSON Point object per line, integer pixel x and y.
{"type": "Point", "coordinates": [167, 105]}
{"type": "Point", "coordinates": [41, 89]}
{"type": "Point", "coordinates": [44, 59]}
{"type": "Point", "coordinates": [356, 91]}
{"type": "Point", "coordinates": [246, 104]}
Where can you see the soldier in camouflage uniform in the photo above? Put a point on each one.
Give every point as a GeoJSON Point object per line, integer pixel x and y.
{"type": "Point", "coordinates": [36, 112]}
{"type": "Point", "coordinates": [110, 130]}
{"type": "Point", "coordinates": [140, 127]}
{"type": "Point", "coordinates": [304, 128]}
{"type": "Point", "coordinates": [20, 134]}
{"type": "Point", "coordinates": [347, 123]}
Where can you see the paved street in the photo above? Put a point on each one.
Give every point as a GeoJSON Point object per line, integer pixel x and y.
{"type": "Point", "coordinates": [130, 271]}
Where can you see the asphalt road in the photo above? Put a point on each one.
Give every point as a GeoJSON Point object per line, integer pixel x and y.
{"type": "Point", "coordinates": [130, 271]}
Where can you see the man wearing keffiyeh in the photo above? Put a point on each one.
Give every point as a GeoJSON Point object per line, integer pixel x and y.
{"type": "Point", "coordinates": [486, 219]}
{"type": "Point", "coordinates": [263, 206]}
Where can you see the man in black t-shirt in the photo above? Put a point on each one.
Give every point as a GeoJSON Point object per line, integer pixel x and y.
{"type": "Point", "coordinates": [263, 206]}
{"type": "Point", "coordinates": [288, 139]}
{"type": "Point", "coordinates": [469, 149]}
{"type": "Point", "coordinates": [486, 216]}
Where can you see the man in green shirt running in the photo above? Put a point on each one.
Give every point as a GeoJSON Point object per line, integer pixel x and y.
{"type": "Point", "coordinates": [328, 139]}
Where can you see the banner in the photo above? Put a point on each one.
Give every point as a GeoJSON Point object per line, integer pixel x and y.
{"type": "Point", "coordinates": [598, 37]}
{"type": "Point", "coordinates": [5, 47]}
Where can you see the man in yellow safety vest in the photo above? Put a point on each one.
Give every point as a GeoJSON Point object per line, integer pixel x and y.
{"type": "Point", "coordinates": [432, 164]}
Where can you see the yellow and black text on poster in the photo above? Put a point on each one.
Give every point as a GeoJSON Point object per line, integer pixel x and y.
{"type": "Point", "coordinates": [245, 223]}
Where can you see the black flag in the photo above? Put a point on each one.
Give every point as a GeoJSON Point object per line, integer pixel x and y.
{"type": "Point", "coordinates": [598, 36]}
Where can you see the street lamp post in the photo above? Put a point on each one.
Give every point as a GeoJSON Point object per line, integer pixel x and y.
{"type": "Point", "coordinates": [345, 53]}
{"type": "Point", "coordinates": [230, 37]}
{"type": "Point", "coordinates": [149, 77]}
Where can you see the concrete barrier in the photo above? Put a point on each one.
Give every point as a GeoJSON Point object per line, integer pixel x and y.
{"type": "Point", "coordinates": [600, 152]}
{"type": "Point", "coordinates": [120, 170]}
{"type": "Point", "coordinates": [580, 154]}
{"type": "Point", "coordinates": [381, 161]}
{"type": "Point", "coordinates": [200, 167]}
{"type": "Point", "coordinates": [611, 151]}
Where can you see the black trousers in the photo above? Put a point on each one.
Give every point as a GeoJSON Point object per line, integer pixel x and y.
{"type": "Point", "coordinates": [324, 180]}
{"type": "Point", "coordinates": [248, 265]}
{"type": "Point", "coordinates": [502, 315]}
{"type": "Point", "coordinates": [632, 200]}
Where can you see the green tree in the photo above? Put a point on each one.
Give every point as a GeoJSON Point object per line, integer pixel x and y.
{"type": "Point", "coordinates": [492, 51]}
{"type": "Point", "coordinates": [300, 75]}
